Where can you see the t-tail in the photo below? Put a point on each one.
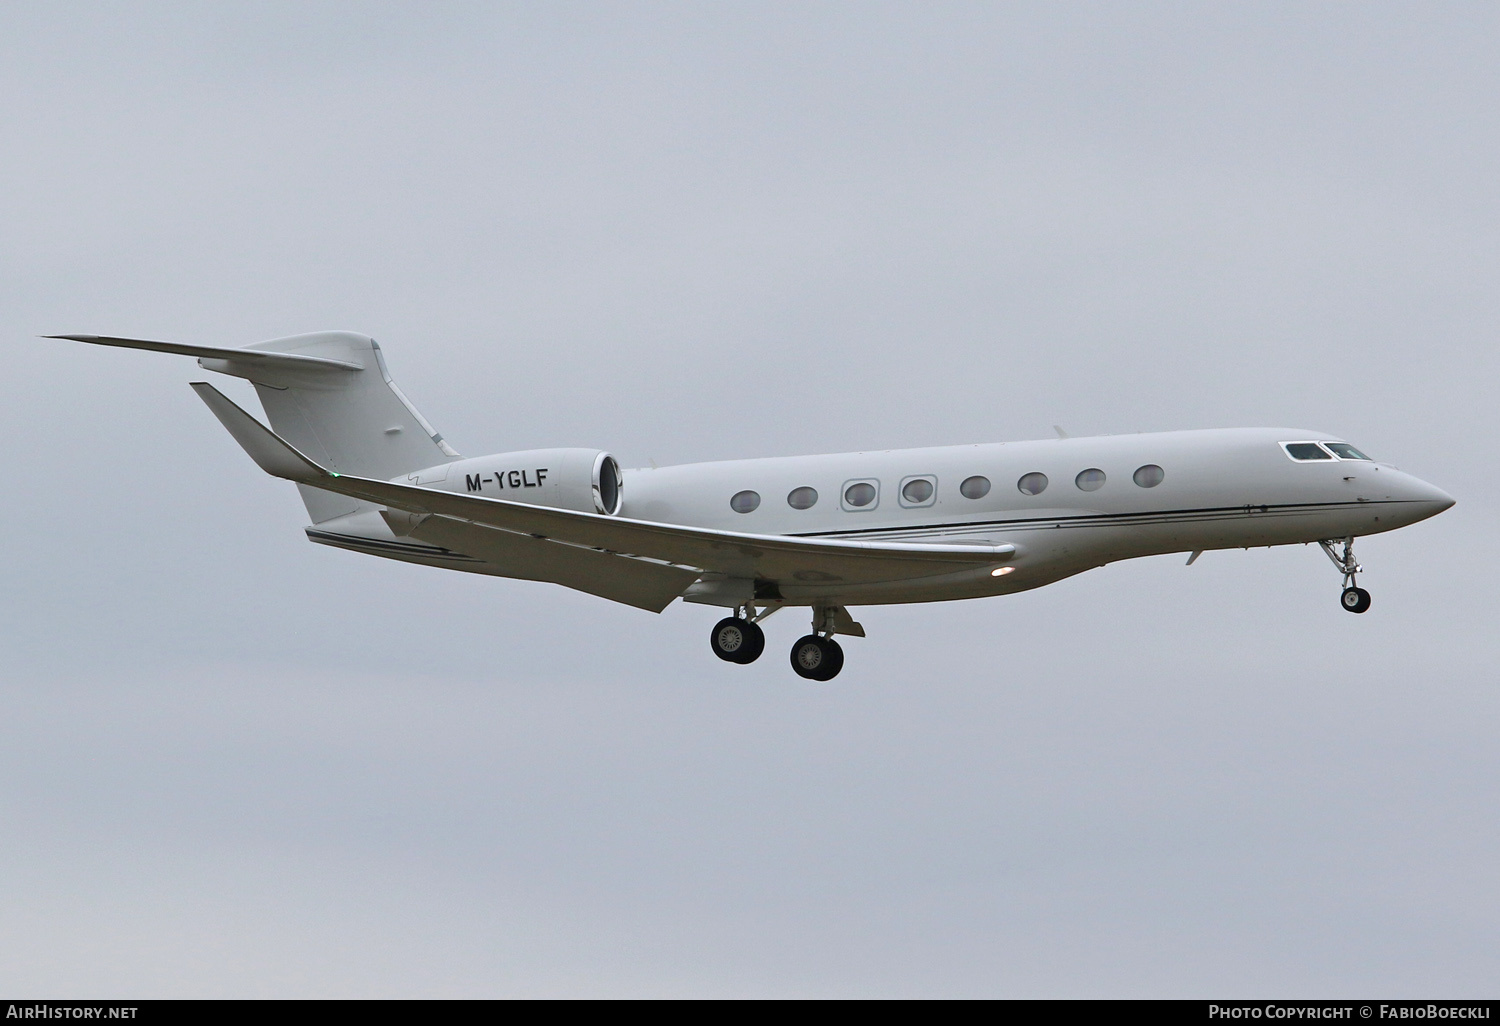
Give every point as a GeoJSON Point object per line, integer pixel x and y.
{"type": "Point", "coordinates": [329, 394]}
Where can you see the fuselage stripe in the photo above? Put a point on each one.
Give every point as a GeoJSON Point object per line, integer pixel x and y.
{"type": "Point", "coordinates": [1183, 516]}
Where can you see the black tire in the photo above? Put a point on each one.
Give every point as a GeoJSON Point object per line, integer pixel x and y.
{"type": "Point", "coordinates": [815, 658]}
{"type": "Point", "coordinates": [735, 640]}
{"type": "Point", "coordinates": [1355, 600]}
{"type": "Point", "coordinates": [835, 659]}
{"type": "Point", "coordinates": [755, 644]}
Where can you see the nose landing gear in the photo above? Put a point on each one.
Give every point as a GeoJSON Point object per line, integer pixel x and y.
{"type": "Point", "coordinates": [1354, 599]}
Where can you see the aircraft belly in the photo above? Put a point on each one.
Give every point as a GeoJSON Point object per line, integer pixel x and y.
{"type": "Point", "coordinates": [1066, 547]}
{"type": "Point", "coordinates": [1248, 527]}
{"type": "Point", "coordinates": [967, 585]}
{"type": "Point", "coordinates": [1046, 553]}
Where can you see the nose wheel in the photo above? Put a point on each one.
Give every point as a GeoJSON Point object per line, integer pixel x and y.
{"type": "Point", "coordinates": [1355, 599]}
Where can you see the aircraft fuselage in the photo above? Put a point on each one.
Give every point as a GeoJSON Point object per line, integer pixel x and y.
{"type": "Point", "coordinates": [1225, 488]}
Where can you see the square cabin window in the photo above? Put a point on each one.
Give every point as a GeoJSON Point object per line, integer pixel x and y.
{"type": "Point", "coordinates": [860, 495]}
{"type": "Point", "coordinates": [1306, 452]}
{"type": "Point", "coordinates": [919, 491]}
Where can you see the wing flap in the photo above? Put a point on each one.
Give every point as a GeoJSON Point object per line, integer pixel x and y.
{"type": "Point", "coordinates": [635, 582]}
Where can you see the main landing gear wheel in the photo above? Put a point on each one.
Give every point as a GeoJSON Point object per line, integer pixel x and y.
{"type": "Point", "coordinates": [817, 658]}
{"type": "Point", "coordinates": [736, 640]}
{"type": "Point", "coordinates": [1356, 600]}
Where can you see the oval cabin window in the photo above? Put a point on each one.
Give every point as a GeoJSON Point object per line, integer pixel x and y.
{"type": "Point", "coordinates": [745, 502]}
{"type": "Point", "coordinates": [1034, 483]}
{"type": "Point", "coordinates": [1150, 476]}
{"type": "Point", "coordinates": [860, 494]}
{"type": "Point", "coordinates": [802, 498]}
{"type": "Point", "coordinates": [1090, 480]}
{"type": "Point", "coordinates": [975, 487]}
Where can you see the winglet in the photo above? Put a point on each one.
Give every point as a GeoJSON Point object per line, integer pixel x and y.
{"type": "Point", "coordinates": [269, 450]}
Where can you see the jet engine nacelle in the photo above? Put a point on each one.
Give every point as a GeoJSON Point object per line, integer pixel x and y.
{"type": "Point", "coordinates": [587, 480]}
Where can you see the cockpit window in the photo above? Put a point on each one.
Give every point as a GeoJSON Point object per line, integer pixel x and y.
{"type": "Point", "coordinates": [1306, 451]}
{"type": "Point", "coordinates": [1344, 450]}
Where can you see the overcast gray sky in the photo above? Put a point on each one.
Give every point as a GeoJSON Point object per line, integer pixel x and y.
{"type": "Point", "coordinates": [233, 763]}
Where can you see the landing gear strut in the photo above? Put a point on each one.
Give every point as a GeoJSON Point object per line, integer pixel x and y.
{"type": "Point", "coordinates": [1354, 599]}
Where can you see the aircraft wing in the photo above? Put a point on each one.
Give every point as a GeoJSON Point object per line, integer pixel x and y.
{"type": "Point", "coordinates": [765, 557]}
{"type": "Point", "coordinates": [643, 583]}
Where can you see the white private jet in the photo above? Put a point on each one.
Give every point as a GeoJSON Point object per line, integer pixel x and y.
{"type": "Point", "coordinates": [827, 532]}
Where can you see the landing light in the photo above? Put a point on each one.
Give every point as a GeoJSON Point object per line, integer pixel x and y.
{"type": "Point", "coordinates": [1001, 571]}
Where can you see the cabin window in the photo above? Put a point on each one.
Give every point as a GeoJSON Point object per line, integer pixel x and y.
{"type": "Point", "coordinates": [975, 487]}
{"type": "Point", "coordinates": [745, 502]}
{"type": "Point", "coordinates": [918, 491]}
{"type": "Point", "coordinates": [1306, 451]}
{"type": "Point", "coordinates": [1034, 483]}
{"type": "Point", "coordinates": [1149, 476]}
{"type": "Point", "coordinates": [1090, 480]}
{"type": "Point", "coordinates": [861, 495]}
{"type": "Point", "coordinates": [802, 498]}
{"type": "Point", "coordinates": [1345, 451]}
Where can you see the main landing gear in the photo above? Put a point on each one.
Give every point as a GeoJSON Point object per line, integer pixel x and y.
{"type": "Point", "coordinates": [1354, 599]}
{"type": "Point", "coordinates": [817, 658]}
{"type": "Point", "coordinates": [739, 639]}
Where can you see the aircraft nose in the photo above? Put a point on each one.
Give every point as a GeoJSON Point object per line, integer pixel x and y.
{"type": "Point", "coordinates": [1429, 499]}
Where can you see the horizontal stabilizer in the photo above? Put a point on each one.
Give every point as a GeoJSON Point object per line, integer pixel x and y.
{"type": "Point", "coordinates": [250, 357]}
{"type": "Point", "coordinates": [270, 452]}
